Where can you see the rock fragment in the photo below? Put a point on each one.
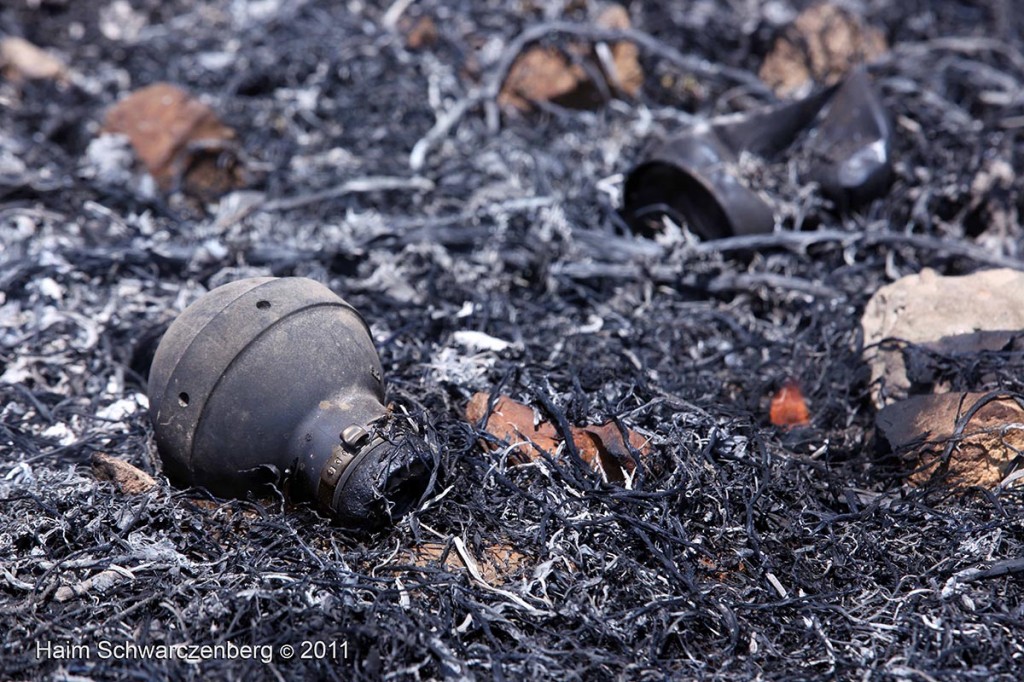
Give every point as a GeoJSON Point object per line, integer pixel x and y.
{"type": "Point", "coordinates": [421, 34]}
{"type": "Point", "coordinates": [527, 436]}
{"type": "Point", "coordinates": [935, 345]}
{"type": "Point", "coordinates": [788, 407]}
{"type": "Point", "coordinates": [129, 479]}
{"type": "Point", "coordinates": [565, 77]}
{"type": "Point", "coordinates": [180, 140]}
{"type": "Point", "coordinates": [21, 61]}
{"type": "Point", "coordinates": [972, 439]}
{"type": "Point", "coordinates": [516, 424]}
{"type": "Point", "coordinates": [621, 60]}
{"type": "Point", "coordinates": [545, 74]}
{"type": "Point", "coordinates": [496, 562]}
{"type": "Point", "coordinates": [920, 316]}
{"type": "Point", "coordinates": [822, 45]}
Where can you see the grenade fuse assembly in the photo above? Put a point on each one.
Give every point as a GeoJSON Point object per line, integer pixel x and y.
{"type": "Point", "coordinates": [277, 380]}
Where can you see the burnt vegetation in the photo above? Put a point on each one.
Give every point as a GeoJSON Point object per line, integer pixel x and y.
{"type": "Point", "coordinates": [388, 172]}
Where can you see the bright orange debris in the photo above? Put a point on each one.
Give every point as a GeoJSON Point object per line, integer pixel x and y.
{"type": "Point", "coordinates": [789, 409]}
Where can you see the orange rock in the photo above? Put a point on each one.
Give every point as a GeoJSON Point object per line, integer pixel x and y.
{"type": "Point", "coordinates": [603, 447]}
{"type": "Point", "coordinates": [497, 563]}
{"type": "Point", "coordinates": [178, 139]}
{"type": "Point", "coordinates": [628, 76]}
{"type": "Point", "coordinates": [515, 424]}
{"type": "Point", "coordinates": [822, 44]}
{"type": "Point", "coordinates": [543, 73]}
{"type": "Point", "coordinates": [788, 408]}
{"type": "Point", "coordinates": [129, 479]}
{"type": "Point", "coordinates": [920, 428]}
{"type": "Point", "coordinates": [421, 34]}
{"type": "Point", "coordinates": [548, 74]}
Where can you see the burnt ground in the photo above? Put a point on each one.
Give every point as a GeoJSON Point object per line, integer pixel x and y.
{"type": "Point", "coordinates": [739, 551]}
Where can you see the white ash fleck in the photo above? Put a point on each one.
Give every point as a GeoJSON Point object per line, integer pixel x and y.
{"type": "Point", "coordinates": [60, 433]}
{"type": "Point", "coordinates": [129, 288]}
{"type": "Point", "coordinates": [215, 61]}
{"type": "Point", "coordinates": [20, 474]}
{"type": "Point", "coordinates": [362, 226]}
{"type": "Point", "coordinates": [334, 160]}
{"type": "Point", "coordinates": [11, 167]}
{"type": "Point", "coordinates": [125, 407]}
{"type": "Point", "coordinates": [455, 367]}
{"type": "Point", "coordinates": [210, 251]}
{"type": "Point", "coordinates": [120, 22]}
{"type": "Point", "coordinates": [222, 277]}
{"type": "Point", "coordinates": [246, 12]}
{"type": "Point", "coordinates": [298, 99]}
{"type": "Point", "coordinates": [162, 551]}
{"type": "Point", "coordinates": [594, 324]}
{"type": "Point", "coordinates": [388, 277]}
{"type": "Point", "coordinates": [479, 341]}
{"type": "Point", "coordinates": [109, 160]}
{"type": "Point", "coordinates": [231, 209]}
{"type": "Point", "coordinates": [17, 372]}
{"type": "Point", "coordinates": [50, 289]}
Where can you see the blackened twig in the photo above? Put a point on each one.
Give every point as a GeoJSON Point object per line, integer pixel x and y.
{"type": "Point", "coordinates": [801, 240]}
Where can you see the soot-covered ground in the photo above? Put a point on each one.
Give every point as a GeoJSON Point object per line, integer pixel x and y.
{"type": "Point", "coordinates": [738, 551]}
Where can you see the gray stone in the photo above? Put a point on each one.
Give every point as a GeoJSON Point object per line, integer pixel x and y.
{"type": "Point", "coordinates": [938, 313]}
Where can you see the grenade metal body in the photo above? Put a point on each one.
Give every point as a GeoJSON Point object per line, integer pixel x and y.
{"type": "Point", "coordinates": [852, 148]}
{"type": "Point", "coordinates": [276, 380]}
{"type": "Point", "coordinates": [691, 177]}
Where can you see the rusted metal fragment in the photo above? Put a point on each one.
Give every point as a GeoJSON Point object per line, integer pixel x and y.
{"type": "Point", "coordinates": [969, 439]}
{"type": "Point", "coordinates": [528, 436]}
{"type": "Point", "coordinates": [129, 479]}
{"type": "Point", "coordinates": [822, 45]}
{"type": "Point", "coordinates": [181, 141]}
